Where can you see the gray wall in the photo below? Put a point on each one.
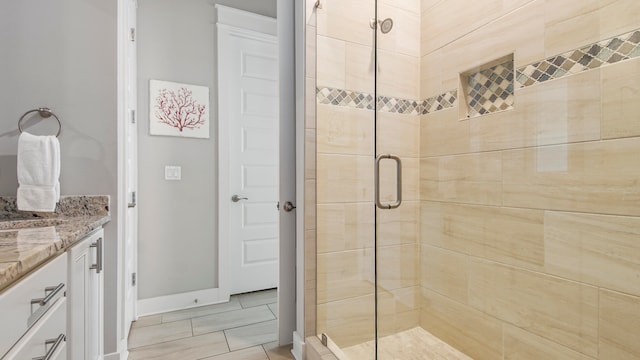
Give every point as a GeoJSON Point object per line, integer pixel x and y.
{"type": "Point", "coordinates": [62, 54]}
{"type": "Point", "coordinates": [178, 230]}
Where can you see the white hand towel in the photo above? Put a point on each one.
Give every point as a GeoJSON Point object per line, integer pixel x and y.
{"type": "Point", "coordinates": [38, 172]}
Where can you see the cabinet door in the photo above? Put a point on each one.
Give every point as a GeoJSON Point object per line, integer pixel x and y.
{"type": "Point", "coordinates": [85, 299]}
{"type": "Point", "coordinates": [45, 338]}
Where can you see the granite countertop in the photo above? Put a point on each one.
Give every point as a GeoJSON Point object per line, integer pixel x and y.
{"type": "Point", "coordinates": [29, 239]}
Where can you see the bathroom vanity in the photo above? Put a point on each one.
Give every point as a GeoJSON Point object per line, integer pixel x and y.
{"type": "Point", "coordinates": [51, 280]}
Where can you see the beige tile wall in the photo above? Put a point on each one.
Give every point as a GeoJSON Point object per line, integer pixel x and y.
{"type": "Point", "coordinates": [529, 218]}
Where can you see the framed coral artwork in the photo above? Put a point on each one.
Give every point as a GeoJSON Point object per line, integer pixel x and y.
{"type": "Point", "coordinates": [178, 109]}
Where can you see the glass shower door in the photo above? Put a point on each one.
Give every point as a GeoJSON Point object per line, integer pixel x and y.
{"type": "Point", "coordinates": [398, 153]}
{"type": "Point", "coordinates": [345, 229]}
{"type": "Point", "coordinates": [516, 123]}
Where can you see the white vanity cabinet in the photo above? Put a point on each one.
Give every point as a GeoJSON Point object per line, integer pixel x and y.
{"type": "Point", "coordinates": [85, 299]}
{"type": "Point", "coordinates": [34, 314]}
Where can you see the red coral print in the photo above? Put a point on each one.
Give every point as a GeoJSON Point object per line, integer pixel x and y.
{"type": "Point", "coordinates": [179, 110]}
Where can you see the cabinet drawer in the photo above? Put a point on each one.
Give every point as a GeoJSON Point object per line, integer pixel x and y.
{"type": "Point", "coordinates": [20, 308]}
{"type": "Point", "coordinates": [48, 335]}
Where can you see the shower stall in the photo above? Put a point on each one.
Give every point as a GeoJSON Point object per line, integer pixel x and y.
{"type": "Point", "coordinates": [477, 178]}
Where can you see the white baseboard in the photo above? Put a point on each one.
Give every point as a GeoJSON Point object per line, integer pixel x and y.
{"type": "Point", "coordinates": [122, 353]}
{"type": "Point", "coordinates": [117, 356]}
{"type": "Point", "coordinates": [298, 346]}
{"type": "Point", "coordinates": [180, 301]}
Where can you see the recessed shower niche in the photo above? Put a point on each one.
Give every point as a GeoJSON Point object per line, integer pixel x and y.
{"type": "Point", "coordinates": [488, 88]}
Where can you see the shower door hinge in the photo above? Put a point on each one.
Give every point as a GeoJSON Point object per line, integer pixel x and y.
{"type": "Point", "coordinates": [132, 34]}
{"type": "Point", "coordinates": [133, 279]}
{"type": "Point", "coordinates": [132, 114]}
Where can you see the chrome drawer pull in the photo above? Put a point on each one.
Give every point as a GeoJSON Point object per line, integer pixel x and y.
{"type": "Point", "coordinates": [98, 265]}
{"type": "Point", "coordinates": [54, 291]}
{"type": "Point", "coordinates": [56, 343]}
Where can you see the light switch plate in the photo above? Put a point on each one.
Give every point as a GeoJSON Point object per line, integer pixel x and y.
{"type": "Point", "coordinates": [172, 172]}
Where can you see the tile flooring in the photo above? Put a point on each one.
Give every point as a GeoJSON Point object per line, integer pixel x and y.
{"type": "Point", "coordinates": [244, 329]}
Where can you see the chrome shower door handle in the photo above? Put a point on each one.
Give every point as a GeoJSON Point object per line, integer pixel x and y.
{"type": "Point", "coordinates": [376, 176]}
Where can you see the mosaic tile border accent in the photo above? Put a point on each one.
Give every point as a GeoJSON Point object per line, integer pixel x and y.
{"type": "Point", "coordinates": [490, 90]}
{"type": "Point", "coordinates": [358, 100]}
{"type": "Point", "coordinates": [439, 102]}
{"type": "Point", "coordinates": [400, 106]}
{"type": "Point", "coordinates": [593, 56]}
{"type": "Point", "coordinates": [339, 97]}
{"type": "Point", "coordinates": [605, 52]}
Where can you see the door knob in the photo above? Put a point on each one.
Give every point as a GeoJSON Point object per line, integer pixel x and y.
{"type": "Point", "coordinates": [236, 198]}
{"type": "Point", "coordinates": [288, 206]}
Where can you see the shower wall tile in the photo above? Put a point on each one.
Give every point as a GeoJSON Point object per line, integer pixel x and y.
{"type": "Point", "coordinates": [505, 235]}
{"type": "Point", "coordinates": [310, 306]}
{"type": "Point", "coordinates": [348, 322]}
{"type": "Point", "coordinates": [426, 4]}
{"type": "Point", "coordinates": [398, 266]}
{"type": "Point", "coordinates": [347, 20]}
{"type": "Point", "coordinates": [618, 17]}
{"type": "Point", "coordinates": [412, 6]}
{"type": "Point", "coordinates": [593, 177]}
{"type": "Point", "coordinates": [310, 204]}
{"type": "Point", "coordinates": [473, 332]}
{"type": "Point", "coordinates": [442, 134]}
{"type": "Point", "coordinates": [399, 226]}
{"type": "Point", "coordinates": [523, 345]}
{"type": "Point", "coordinates": [404, 38]}
{"type": "Point", "coordinates": [344, 178]}
{"type": "Point", "coordinates": [507, 130]}
{"type": "Point", "coordinates": [347, 226]}
{"type": "Point", "coordinates": [585, 22]}
{"type": "Point", "coordinates": [436, 22]}
{"type": "Point", "coordinates": [599, 250]}
{"type": "Point", "coordinates": [345, 130]}
{"type": "Point", "coordinates": [310, 154]}
{"type": "Point", "coordinates": [520, 31]}
{"type": "Point", "coordinates": [398, 75]}
{"type": "Point", "coordinates": [399, 310]}
{"type": "Point", "coordinates": [431, 75]}
{"type": "Point", "coordinates": [310, 103]}
{"type": "Point", "coordinates": [471, 178]}
{"type": "Point", "coordinates": [310, 51]}
{"type": "Point", "coordinates": [344, 274]}
{"type": "Point", "coordinates": [621, 100]}
{"type": "Point", "coordinates": [445, 272]}
{"type": "Point", "coordinates": [577, 22]}
{"type": "Point", "coordinates": [331, 62]}
{"type": "Point", "coordinates": [310, 258]}
{"type": "Point", "coordinates": [310, 297]}
{"type": "Point", "coordinates": [619, 326]}
{"type": "Point", "coordinates": [360, 68]}
{"type": "Point", "coordinates": [534, 301]}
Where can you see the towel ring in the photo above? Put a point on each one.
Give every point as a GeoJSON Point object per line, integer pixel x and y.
{"type": "Point", "coordinates": [44, 113]}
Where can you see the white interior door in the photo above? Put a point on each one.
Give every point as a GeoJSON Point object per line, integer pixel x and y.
{"type": "Point", "coordinates": [251, 82]}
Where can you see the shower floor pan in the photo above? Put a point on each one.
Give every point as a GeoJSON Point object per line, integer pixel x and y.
{"type": "Point", "coordinates": [412, 344]}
